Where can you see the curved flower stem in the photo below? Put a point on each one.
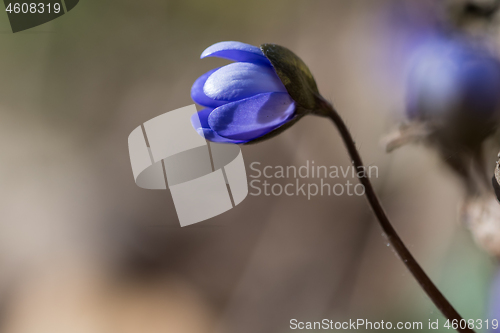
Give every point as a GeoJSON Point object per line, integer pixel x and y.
{"type": "Point", "coordinates": [425, 282]}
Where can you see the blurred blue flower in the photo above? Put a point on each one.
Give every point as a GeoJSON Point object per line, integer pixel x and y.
{"type": "Point", "coordinates": [454, 85]}
{"type": "Point", "coordinates": [244, 100]}
{"type": "Point", "coordinates": [494, 303]}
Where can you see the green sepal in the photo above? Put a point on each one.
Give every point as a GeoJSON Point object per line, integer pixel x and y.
{"type": "Point", "coordinates": [294, 74]}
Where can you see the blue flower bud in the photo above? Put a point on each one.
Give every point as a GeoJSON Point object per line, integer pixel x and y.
{"type": "Point", "coordinates": [454, 86]}
{"type": "Point", "coordinates": [244, 100]}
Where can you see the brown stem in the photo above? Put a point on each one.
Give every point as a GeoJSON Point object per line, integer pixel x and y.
{"type": "Point", "coordinates": [425, 282]}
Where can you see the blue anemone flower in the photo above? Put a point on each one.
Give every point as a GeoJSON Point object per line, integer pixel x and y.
{"type": "Point", "coordinates": [454, 84]}
{"type": "Point", "coordinates": [244, 100]}
{"type": "Point", "coordinates": [448, 74]}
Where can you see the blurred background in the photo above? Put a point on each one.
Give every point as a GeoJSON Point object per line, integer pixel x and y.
{"type": "Point", "coordinates": [83, 249]}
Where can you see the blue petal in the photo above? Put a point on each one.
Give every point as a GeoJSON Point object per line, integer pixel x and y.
{"type": "Point", "coordinates": [199, 120]}
{"type": "Point", "coordinates": [236, 51]}
{"type": "Point", "coordinates": [199, 96]}
{"type": "Point", "coordinates": [210, 135]}
{"type": "Point", "coordinates": [252, 117]}
{"type": "Point", "coordinates": [242, 80]}
{"type": "Point", "coordinates": [481, 84]}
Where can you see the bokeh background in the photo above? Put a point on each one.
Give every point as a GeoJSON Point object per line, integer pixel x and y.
{"type": "Point", "coordinates": [83, 249]}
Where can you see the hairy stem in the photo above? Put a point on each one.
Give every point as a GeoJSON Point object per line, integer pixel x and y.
{"type": "Point", "coordinates": [425, 282]}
